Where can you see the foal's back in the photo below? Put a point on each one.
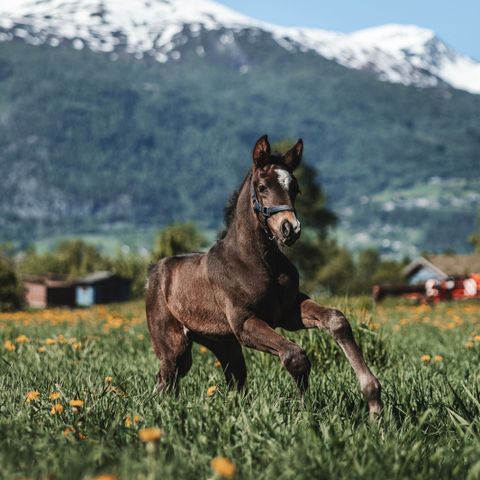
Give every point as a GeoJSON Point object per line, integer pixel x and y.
{"type": "Point", "coordinates": [181, 286]}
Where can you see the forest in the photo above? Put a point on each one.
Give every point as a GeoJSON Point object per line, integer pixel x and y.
{"type": "Point", "coordinates": [89, 144]}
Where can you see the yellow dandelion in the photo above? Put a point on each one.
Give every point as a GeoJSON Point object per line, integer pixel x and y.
{"type": "Point", "coordinates": [152, 434]}
{"type": "Point", "coordinates": [76, 403]}
{"type": "Point", "coordinates": [54, 396]}
{"type": "Point", "coordinates": [136, 418]}
{"type": "Point", "coordinates": [41, 349]}
{"type": "Point", "coordinates": [217, 364]}
{"type": "Point", "coordinates": [56, 408]}
{"type": "Point", "coordinates": [9, 345]}
{"type": "Point", "coordinates": [128, 421]}
{"type": "Point", "coordinates": [50, 341]}
{"type": "Point", "coordinates": [437, 358]}
{"type": "Point", "coordinates": [105, 476]}
{"type": "Point", "coordinates": [477, 338]}
{"type": "Point", "coordinates": [22, 339]}
{"type": "Point", "coordinates": [211, 390]}
{"type": "Point", "coordinates": [108, 379]}
{"type": "Point", "coordinates": [32, 396]}
{"type": "Point", "coordinates": [223, 467]}
{"type": "Point", "coordinates": [203, 349]}
{"type": "Point", "coordinates": [469, 344]}
{"type": "Point", "coordinates": [425, 358]}
{"type": "Point", "coordinates": [77, 345]}
{"type": "Point", "coordinates": [68, 431]}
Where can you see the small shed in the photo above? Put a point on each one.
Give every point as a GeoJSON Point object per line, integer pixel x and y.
{"type": "Point", "coordinates": [48, 291]}
{"type": "Point", "coordinates": [101, 287]}
{"type": "Point", "coordinates": [56, 290]}
{"type": "Point", "coordinates": [441, 267]}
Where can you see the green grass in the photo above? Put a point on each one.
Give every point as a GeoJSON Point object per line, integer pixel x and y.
{"type": "Point", "coordinates": [429, 428]}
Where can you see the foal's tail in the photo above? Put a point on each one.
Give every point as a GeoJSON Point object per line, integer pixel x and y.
{"type": "Point", "coordinates": [152, 277]}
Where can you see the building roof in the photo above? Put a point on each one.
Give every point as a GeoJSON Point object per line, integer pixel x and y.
{"type": "Point", "coordinates": [446, 265]}
{"type": "Point", "coordinates": [57, 280]}
{"type": "Point", "coordinates": [96, 277]}
{"type": "Point", "coordinates": [50, 280]}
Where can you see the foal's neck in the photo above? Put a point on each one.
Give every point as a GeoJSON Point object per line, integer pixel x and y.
{"type": "Point", "coordinates": [245, 233]}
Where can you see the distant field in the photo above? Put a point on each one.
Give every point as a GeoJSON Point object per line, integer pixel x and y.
{"type": "Point", "coordinates": [427, 360]}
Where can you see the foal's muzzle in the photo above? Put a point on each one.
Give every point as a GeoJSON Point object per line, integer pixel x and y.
{"type": "Point", "coordinates": [290, 233]}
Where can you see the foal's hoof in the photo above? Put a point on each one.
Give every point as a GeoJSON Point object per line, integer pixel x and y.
{"type": "Point", "coordinates": [374, 410]}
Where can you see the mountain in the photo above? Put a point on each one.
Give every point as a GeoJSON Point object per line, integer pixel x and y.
{"type": "Point", "coordinates": [116, 118]}
{"type": "Point", "coordinates": [396, 53]}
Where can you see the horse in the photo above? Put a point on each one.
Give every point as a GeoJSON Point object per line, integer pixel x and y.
{"type": "Point", "coordinates": [244, 287]}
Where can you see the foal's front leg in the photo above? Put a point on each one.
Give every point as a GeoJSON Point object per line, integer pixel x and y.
{"type": "Point", "coordinates": [312, 315]}
{"type": "Point", "coordinates": [255, 333]}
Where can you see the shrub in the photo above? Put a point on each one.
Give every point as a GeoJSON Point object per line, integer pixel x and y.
{"type": "Point", "coordinates": [11, 291]}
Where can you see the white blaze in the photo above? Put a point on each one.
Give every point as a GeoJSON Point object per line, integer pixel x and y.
{"type": "Point", "coordinates": [284, 178]}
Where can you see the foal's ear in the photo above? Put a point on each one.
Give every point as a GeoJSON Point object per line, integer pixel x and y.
{"type": "Point", "coordinates": [261, 152]}
{"type": "Point", "coordinates": [293, 157]}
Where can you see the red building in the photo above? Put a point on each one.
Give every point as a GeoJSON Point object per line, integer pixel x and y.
{"type": "Point", "coordinates": [48, 291]}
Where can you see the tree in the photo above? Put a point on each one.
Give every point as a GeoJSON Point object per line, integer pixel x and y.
{"type": "Point", "coordinates": [176, 239]}
{"type": "Point", "coordinates": [134, 267]}
{"type": "Point", "coordinates": [11, 291]}
{"type": "Point", "coordinates": [372, 270]}
{"type": "Point", "coordinates": [338, 272]}
{"type": "Point", "coordinates": [310, 253]}
{"type": "Point", "coordinates": [72, 258]}
{"type": "Point", "coordinates": [475, 238]}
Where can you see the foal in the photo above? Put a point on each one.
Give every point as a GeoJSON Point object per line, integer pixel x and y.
{"type": "Point", "coordinates": [244, 287]}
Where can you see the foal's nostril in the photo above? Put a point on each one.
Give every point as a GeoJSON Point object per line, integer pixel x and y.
{"type": "Point", "coordinates": [286, 229]}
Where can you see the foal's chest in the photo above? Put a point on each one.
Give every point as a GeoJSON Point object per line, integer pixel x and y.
{"type": "Point", "coordinates": [280, 295]}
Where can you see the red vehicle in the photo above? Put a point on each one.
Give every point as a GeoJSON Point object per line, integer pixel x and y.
{"type": "Point", "coordinates": [436, 278]}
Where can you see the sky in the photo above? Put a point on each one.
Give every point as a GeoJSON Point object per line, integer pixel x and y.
{"type": "Point", "coordinates": [456, 22]}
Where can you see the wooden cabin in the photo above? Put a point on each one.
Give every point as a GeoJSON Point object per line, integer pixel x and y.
{"type": "Point", "coordinates": [48, 291]}
{"type": "Point", "coordinates": [101, 287]}
{"type": "Point", "coordinates": [58, 291]}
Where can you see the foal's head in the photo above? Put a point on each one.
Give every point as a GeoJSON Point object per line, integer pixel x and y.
{"type": "Point", "coordinates": [274, 185]}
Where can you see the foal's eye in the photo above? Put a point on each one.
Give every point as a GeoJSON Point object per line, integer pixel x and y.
{"type": "Point", "coordinates": [262, 188]}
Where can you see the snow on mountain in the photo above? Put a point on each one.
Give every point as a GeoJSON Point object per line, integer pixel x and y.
{"type": "Point", "coordinates": [396, 53]}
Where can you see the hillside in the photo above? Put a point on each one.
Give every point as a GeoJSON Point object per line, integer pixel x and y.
{"type": "Point", "coordinates": [92, 141]}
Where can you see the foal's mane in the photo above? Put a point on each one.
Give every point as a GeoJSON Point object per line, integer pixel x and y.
{"type": "Point", "coordinates": [231, 205]}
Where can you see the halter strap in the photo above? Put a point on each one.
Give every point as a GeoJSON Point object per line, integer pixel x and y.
{"type": "Point", "coordinates": [267, 212]}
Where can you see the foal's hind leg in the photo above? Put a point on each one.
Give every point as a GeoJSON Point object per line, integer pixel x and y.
{"type": "Point", "coordinates": [311, 315]}
{"type": "Point", "coordinates": [175, 362]}
{"type": "Point", "coordinates": [172, 346]}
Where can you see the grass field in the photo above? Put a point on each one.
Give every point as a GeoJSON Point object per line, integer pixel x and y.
{"type": "Point", "coordinates": [99, 366]}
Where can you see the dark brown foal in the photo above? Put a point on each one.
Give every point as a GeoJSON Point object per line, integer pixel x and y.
{"type": "Point", "coordinates": [244, 287]}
